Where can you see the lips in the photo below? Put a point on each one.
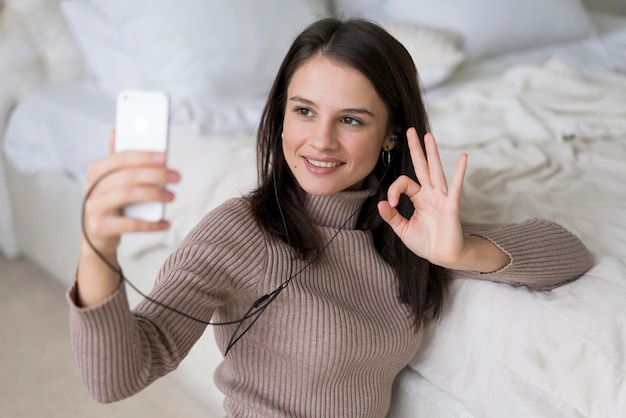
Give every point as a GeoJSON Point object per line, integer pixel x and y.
{"type": "Point", "coordinates": [322, 164]}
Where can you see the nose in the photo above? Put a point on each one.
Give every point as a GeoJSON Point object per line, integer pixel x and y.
{"type": "Point", "coordinates": [323, 136]}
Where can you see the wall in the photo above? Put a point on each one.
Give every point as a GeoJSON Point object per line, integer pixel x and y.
{"type": "Point", "coordinates": [613, 6]}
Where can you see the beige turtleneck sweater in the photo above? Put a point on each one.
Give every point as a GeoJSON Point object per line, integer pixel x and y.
{"type": "Point", "coordinates": [331, 343]}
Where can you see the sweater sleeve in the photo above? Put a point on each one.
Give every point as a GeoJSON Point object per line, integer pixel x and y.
{"type": "Point", "coordinates": [119, 352]}
{"type": "Point", "coordinates": [543, 254]}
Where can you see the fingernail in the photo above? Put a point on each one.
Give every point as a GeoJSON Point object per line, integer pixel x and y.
{"type": "Point", "coordinates": [158, 157]}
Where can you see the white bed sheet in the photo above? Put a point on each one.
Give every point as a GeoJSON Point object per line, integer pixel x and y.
{"type": "Point", "coordinates": [559, 353]}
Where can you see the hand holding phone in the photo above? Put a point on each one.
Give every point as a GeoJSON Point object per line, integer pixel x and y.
{"type": "Point", "coordinates": [142, 124]}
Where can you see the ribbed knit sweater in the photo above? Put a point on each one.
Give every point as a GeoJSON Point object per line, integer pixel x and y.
{"type": "Point", "coordinates": [331, 343]}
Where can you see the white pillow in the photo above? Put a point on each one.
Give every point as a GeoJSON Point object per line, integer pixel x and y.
{"type": "Point", "coordinates": [215, 59]}
{"type": "Point", "coordinates": [488, 27]}
{"type": "Point", "coordinates": [491, 27]}
{"type": "Point", "coordinates": [437, 53]}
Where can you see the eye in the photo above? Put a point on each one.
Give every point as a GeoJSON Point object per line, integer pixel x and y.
{"type": "Point", "coordinates": [303, 111]}
{"type": "Point", "coordinates": [351, 121]}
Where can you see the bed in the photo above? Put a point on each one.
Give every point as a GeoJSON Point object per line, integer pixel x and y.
{"type": "Point", "coordinates": [537, 101]}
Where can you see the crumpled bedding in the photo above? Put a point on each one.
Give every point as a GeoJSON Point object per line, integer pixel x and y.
{"type": "Point", "coordinates": [533, 104]}
{"type": "Point", "coordinates": [504, 351]}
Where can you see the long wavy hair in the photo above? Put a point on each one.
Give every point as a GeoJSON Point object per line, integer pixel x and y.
{"type": "Point", "coordinates": [369, 49]}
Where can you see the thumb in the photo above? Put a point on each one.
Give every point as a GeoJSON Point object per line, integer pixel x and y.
{"type": "Point", "coordinates": [391, 215]}
{"type": "Point", "coordinates": [112, 142]}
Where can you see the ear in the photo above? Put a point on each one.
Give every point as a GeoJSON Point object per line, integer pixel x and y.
{"type": "Point", "coordinates": [390, 143]}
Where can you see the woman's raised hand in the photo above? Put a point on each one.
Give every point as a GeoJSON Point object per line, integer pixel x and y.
{"type": "Point", "coordinates": [112, 183]}
{"type": "Point", "coordinates": [434, 230]}
{"type": "Point", "coordinates": [118, 180]}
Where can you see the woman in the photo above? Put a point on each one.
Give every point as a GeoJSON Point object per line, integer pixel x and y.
{"type": "Point", "coordinates": [322, 277]}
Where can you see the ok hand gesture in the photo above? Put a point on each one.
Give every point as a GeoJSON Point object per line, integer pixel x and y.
{"type": "Point", "coordinates": [434, 230]}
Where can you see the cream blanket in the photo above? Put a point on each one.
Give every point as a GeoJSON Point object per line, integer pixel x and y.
{"type": "Point", "coordinates": [532, 104]}
{"type": "Point", "coordinates": [543, 142]}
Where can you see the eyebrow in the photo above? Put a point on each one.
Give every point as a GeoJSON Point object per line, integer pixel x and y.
{"type": "Point", "coordinates": [308, 102]}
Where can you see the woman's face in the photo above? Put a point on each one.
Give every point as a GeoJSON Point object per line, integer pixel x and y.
{"type": "Point", "coordinates": [335, 127]}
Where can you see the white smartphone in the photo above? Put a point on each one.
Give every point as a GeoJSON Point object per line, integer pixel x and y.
{"type": "Point", "coordinates": [142, 123]}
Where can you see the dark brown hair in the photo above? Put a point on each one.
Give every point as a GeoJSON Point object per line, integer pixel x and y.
{"type": "Point", "coordinates": [369, 49]}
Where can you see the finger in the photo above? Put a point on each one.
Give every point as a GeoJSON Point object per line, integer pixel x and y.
{"type": "Point", "coordinates": [456, 185]}
{"type": "Point", "coordinates": [437, 175]}
{"type": "Point", "coordinates": [390, 214]}
{"type": "Point", "coordinates": [118, 161]}
{"type": "Point", "coordinates": [125, 178]}
{"type": "Point", "coordinates": [113, 227]}
{"type": "Point", "coordinates": [111, 200]}
{"type": "Point", "coordinates": [138, 176]}
{"type": "Point", "coordinates": [417, 157]}
{"type": "Point", "coordinates": [112, 142]}
{"type": "Point", "coordinates": [104, 225]}
{"type": "Point", "coordinates": [402, 185]}
{"type": "Point", "coordinates": [118, 198]}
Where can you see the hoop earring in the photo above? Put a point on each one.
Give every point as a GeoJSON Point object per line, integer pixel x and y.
{"type": "Point", "coordinates": [386, 157]}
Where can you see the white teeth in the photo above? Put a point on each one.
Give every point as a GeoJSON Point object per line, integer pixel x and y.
{"type": "Point", "coordinates": [323, 164]}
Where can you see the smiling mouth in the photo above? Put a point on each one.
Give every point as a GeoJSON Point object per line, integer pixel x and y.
{"type": "Point", "coordinates": [323, 164]}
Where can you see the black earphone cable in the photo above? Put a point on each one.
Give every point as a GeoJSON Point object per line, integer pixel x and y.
{"type": "Point", "coordinates": [257, 308]}
{"type": "Point", "coordinates": [257, 304]}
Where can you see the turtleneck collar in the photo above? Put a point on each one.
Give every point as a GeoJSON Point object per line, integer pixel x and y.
{"type": "Point", "coordinates": [335, 210]}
